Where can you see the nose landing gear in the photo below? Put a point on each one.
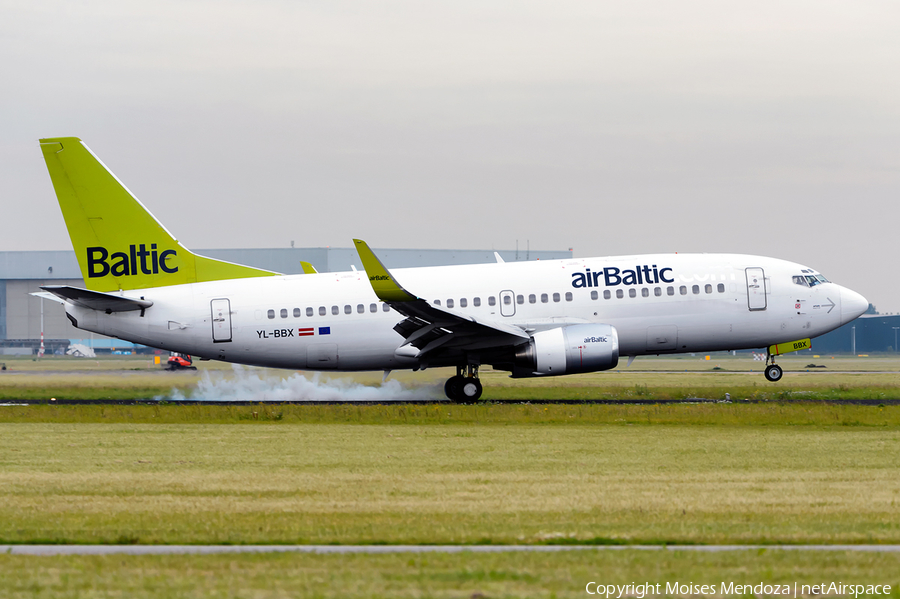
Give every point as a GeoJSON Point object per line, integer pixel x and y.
{"type": "Point", "coordinates": [465, 387]}
{"type": "Point", "coordinates": [773, 371]}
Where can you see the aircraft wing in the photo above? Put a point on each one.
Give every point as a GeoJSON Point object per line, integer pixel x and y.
{"type": "Point", "coordinates": [428, 328]}
{"type": "Point", "coordinates": [97, 300]}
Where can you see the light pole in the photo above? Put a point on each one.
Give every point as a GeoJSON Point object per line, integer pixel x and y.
{"type": "Point", "coordinates": [41, 350]}
{"type": "Point", "coordinates": [895, 338]}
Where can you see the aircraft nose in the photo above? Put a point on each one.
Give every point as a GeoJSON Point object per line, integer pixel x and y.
{"type": "Point", "coordinates": [852, 305]}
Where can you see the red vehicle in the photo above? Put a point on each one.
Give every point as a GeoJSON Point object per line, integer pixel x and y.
{"type": "Point", "coordinates": [179, 361]}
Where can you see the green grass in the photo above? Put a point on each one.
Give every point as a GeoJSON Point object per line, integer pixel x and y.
{"type": "Point", "coordinates": [768, 473]}
{"type": "Point", "coordinates": [130, 378]}
{"type": "Point", "coordinates": [623, 386]}
{"type": "Point", "coordinates": [505, 575]}
{"type": "Point", "coordinates": [485, 413]}
{"type": "Point", "coordinates": [470, 482]}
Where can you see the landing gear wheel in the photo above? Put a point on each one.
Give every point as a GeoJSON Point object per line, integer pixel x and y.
{"type": "Point", "coordinates": [774, 372]}
{"type": "Point", "coordinates": [465, 386]}
{"type": "Point", "coordinates": [453, 387]}
{"type": "Point", "coordinates": [470, 390]}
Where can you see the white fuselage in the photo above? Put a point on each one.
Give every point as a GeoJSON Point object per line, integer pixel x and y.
{"type": "Point", "coordinates": [661, 303]}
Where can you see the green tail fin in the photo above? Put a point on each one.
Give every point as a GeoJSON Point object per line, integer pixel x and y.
{"type": "Point", "coordinates": [119, 244]}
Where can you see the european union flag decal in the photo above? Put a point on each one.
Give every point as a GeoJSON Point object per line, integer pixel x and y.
{"type": "Point", "coordinates": [324, 330]}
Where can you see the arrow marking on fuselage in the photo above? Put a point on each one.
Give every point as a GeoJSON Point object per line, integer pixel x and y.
{"type": "Point", "coordinates": [829, 305]}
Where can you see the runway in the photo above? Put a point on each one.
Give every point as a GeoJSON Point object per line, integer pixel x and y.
{"type": "Point", "coordinates": [883, 401]}
{"type": "Point", "coordinates": [48, 550]}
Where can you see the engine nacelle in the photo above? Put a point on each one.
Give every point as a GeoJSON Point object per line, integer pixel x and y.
{"type": "Point", "coordinates": [569, 350]}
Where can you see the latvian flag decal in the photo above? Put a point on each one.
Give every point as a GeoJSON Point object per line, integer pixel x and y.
{"type": "Point", "coordinates": [312, 331]}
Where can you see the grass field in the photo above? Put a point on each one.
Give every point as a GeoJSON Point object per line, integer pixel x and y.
{"type": "Point", "coordinates": [769, 473]}
{"type": "Point", "coordinates": [683, 378]}
{"type": "Point", "coordinates": [411, 576]}
{"type": "Point", "coordinates": [547, 481]}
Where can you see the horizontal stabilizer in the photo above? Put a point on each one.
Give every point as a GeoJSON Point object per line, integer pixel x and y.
{"type": "Point", "coordinates": [48, 296]}
{"type": "Point", "coordinates": [97, 300]}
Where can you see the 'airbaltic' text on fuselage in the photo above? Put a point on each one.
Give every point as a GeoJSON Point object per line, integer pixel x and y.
{"type": "Point", "coordinates": [612, 276]}
{"type": "Point", "coordinates": [136, 260]}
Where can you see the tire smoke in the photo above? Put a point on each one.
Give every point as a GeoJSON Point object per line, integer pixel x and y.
{"type": "Point", "coordinates": [246, 385]}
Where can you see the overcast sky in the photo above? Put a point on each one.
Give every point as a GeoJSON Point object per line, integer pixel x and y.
{"type": "Point", "coordinates": [769, 128]}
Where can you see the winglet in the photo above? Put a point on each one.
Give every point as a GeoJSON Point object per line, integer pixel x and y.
{"type": "Point", "coordinates": [386, 288]}
{"type": "Point", "coordinates": [308, 269]}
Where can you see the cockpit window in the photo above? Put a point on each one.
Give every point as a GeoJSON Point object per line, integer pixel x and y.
{"type": "Point", "coordinates": [809, 280]}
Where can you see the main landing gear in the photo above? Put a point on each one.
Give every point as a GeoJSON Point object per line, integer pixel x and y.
{"type": "Point", "coordinates": [465, 387]}
{"type": "Point", "coordinates": [773, 371]}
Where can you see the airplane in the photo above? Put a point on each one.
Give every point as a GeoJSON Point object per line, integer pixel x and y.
{"type": "Point", "coordinates": [531, 319]}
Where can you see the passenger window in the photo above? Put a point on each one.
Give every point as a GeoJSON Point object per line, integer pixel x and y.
{"type": "Point", "coordinates": [309, 312]}
{"type": "Point", "coordinates": [449, 303]}
{"type": "Point", "coordinates": [682, 290]}
{"type": "Point", "coordinates": [271, 313]}
{"type": "Point", "coordinates": [335, 310]}
{"type": "Point", "coordinates": [708, 288]}
{"type": "Point", "coordinates": [632, 292]}
{"type": "Point", "coordinates": [670, 290]}
{"type": "Point", "coordinates": [545, 298]}
{"type": "Point", "coordinates": [360, 308]}
{"type": "Point", "coordinates": [657, 291]}
{"type": "Point", "coordinates": [437, 302]}
{"type": "Point", "coordinates": [321, 310]}
{"type": "Point", "coordinates": [606, 294]}
{"type": "Point", "coordinates": [555, 297]}
{"type": "Point", "coordinates": [507, 299]}
{"type": "Point", "coordinates": [284, 312]}
{"type": "Point", "coordinates": [720, 287]}
{"type": "Point", "coordinates": [520, 299]}
{"type": "Point", "coordinates": [476, 301]}
{"type": "Point", "coordinates": [594, 294]}
{"type": "Point", "coordinates": [463, 302]}
{"type": "Point", "coordinates": [568, 296]}
{"type": "Point", "coordinates": [619, 294]}
{"type": "Point", "coordinates": [297, 313]}
{"type": "Point", "coordinates": [645, 292]}
{"type": "Point", "coordinates": [695, 289]}
{"type": "Point", "coordinates": [373, 307]}
{"type": "Point", "coordinates": [385, 308]}
{"type": "Point", "coordinates": [532, 298]}
{"type": "Point", "coordinates": [492, 301]}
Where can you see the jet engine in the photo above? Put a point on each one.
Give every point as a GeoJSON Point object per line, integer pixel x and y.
{"type": "Point", "coordinates": [569, 350]}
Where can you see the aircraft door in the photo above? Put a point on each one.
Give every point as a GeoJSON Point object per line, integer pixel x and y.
{"type": "Point", "coordinates": [756, 289]}
{"type": "Point", "coordinates": [221, 320]}
{"type": "Point", "coordinates": [507, 303]}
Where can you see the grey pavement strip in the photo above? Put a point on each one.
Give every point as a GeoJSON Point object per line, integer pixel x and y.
{"type": "Point", "coordinates": [380, 549]}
